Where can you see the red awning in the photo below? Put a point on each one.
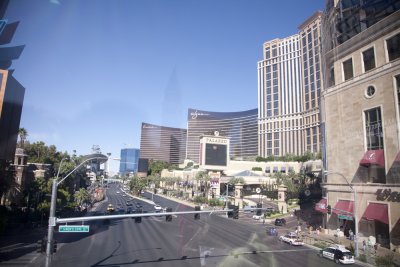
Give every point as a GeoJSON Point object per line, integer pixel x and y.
{"type": "Point", "coordinates": [344, 207]}
{"type": "Point", "coordinates": [376, 157]}
{"type": "Point", "coordinates": [377, 211]}
{"type": "Point", "coordinates": [321, 205]}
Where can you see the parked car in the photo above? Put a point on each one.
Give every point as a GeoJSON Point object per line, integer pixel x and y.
{"type": "Point", "coordinates": [280, 222]}
{"type": "Point", "coordinates": [337, 253]}
{"type": "Point", "coordinates": [292, 239]}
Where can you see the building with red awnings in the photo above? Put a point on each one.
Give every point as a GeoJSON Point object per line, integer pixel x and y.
{"type": "Point", "coordinates": [361, 118]}
{"type": "Point", "coordinates": [321, 206]}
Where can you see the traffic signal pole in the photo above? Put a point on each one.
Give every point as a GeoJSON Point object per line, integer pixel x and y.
{"type": "Point", "coordinates": [52, 215]}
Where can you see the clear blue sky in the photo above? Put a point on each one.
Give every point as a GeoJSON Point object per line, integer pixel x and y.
{"type": "Point", "coordinates": [94, 70]}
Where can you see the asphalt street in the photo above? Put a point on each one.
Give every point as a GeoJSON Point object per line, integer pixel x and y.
{"type": "Point", "coordinates": [211, 241]}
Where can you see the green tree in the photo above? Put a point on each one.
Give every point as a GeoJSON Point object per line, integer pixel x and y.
{"type": "Point", "coordinates": [203, 179]}
{"type": "Point", "coordinates": [291, 181]}
{"type": "Point", "coordinates": [82, 197]}
{"type": "Point", "coordinates": [155, 167]}
{"type": "Point", "coordinates": [39, 152]}
{"type": "Point", "coordinates": [22, 133]}
{"type": "Point", "coordinates": [136, 184]}
{"type": "Point", "coordinates": [7, 180]}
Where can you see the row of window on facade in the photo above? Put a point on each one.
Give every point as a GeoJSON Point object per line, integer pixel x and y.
{"type": "Point", "coordinates": [276, 169]}
{"type": "Point", "coordinates": [368, 59]}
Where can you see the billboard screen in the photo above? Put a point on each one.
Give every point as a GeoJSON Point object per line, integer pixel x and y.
{"type": "Point", "coordinates": [216, 154]}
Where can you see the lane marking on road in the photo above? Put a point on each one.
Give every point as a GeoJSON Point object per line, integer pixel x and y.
{"type": "Point", "coordinates": [11, 246]}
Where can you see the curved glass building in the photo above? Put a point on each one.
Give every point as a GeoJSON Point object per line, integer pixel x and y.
{"type": "Point", "coordinates": [240, 127]}
{"type": "Point", "coordinates": [162, 143]}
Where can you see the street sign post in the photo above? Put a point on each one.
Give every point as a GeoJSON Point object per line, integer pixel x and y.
{"type": "Point", "coordinates": [73, 228]}
{"type": "Point", "coordinates": [345, 217]}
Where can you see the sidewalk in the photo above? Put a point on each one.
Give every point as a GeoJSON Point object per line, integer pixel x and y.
{"type": "Point", "coordinates": [366, 257]}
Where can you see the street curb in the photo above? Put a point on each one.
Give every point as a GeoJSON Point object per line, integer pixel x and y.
{"type": "Point", "coordinates": [176, 200]}
{"type": "Point", "coordinates": [142, 199]}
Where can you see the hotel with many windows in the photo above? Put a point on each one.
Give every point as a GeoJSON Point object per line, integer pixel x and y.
{"type": "Point", "coordinates": [240, 127]}
{"type": "Point", "coordinates": [289, 86]}
{"type": "Point", "coordinates": [162, 143]}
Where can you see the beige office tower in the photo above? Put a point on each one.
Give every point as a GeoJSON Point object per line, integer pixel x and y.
{"type": "Point", "coordinates": [361, 98]}
{"type": "Point", "coordinates": [289, 86]}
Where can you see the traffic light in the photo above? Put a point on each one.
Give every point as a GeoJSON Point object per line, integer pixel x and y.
{"type": "Point", "coordinates": [41, 246]}
{"type": "Point", "coordinates": [258, 212]}
{"type": "Point", "coordinates": [197, 215]}
{"type": "Point", "coordinates": [54, 246]}
{"type": "Point", "coordinates": [329, 208]}
{"type": "Point", "coordinates": [138, 219]}
{"type": "Point", "coordinates": [235, 212]}
{"type": "Point", "coordinates": [230, 213]}
{"type": "Point", "coordinates": [168, 218]}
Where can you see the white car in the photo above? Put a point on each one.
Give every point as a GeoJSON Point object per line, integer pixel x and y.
{"type": "Point", "coordinates": [158, 208]}
{"type": "Point", "coordinates": [337, 253]}
{"type": "Point", "coordinates": [117, 192]}
{"type": "Point", "coordinates": [292, 239]}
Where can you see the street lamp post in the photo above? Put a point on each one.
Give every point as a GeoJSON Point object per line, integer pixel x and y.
{"type": "Point", "coordinates": [353, 189]}
{"type": "Point", "coordinates": [227, 196]}
{"type": "Point", "coordinates": [52, 218]}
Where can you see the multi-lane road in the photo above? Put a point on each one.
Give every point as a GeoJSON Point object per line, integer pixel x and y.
{"type": "Point", "coordinates": [211, 241]}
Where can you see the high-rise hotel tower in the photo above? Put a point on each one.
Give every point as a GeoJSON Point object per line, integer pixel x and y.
{"type": "Point", "coordinates": [289, 85]}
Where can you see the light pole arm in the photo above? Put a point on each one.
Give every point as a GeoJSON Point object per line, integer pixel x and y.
{"type": "Point", "coordinates": [52, 219]}
{"type": "Point", "coordinates": [77, 167]}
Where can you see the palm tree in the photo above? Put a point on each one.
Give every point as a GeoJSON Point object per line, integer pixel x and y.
{"type": "Point", "coordinates": [22, 136]}
{"type": "Point", "coordinates": [204, 180]}
{"type": "Point", "coordinates": [82, 196]}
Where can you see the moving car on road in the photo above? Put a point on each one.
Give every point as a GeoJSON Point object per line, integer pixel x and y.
{"type": "Point", "coordinates": [157, 208]}
{"type": "Point", "coordinates": [337, 253]}
{"type": "Point", "coordinates": [280, 222]}
{"type": "Point", "coordinates": [292, 239]}
{"type": "Point", "coordinates": [110, 208]}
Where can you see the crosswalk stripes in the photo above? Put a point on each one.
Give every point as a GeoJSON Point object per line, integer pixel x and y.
{"type": "Point", "coordinates": [24, 260]}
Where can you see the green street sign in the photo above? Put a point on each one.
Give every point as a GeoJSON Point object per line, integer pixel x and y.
{"type": "Point", "coordinates": [73, 228]}
{"type": "Point", "coordinates": [345, 217]}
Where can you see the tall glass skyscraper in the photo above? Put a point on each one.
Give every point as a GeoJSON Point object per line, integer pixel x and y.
{"type": "Point", "coordinates": [129, 160]}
